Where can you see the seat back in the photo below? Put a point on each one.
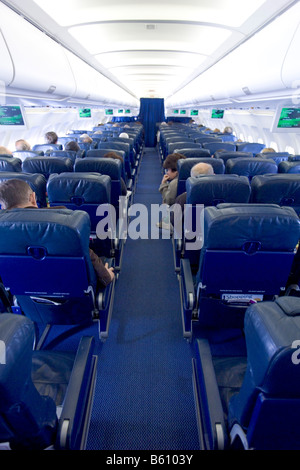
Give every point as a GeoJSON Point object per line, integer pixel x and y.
{"type": "Point", "coordinates": [281, 188]}
{"type": "Point", "coordinates": [184, 167]}
{"type": "Point", "coordinates": [289, 167]}
{"type": "Point", "coordinates": [267, 406]}
{"type": "Point", "coordinates": [47, 147]}
{"type": "Point", "coordinates": [123, 146]}
{"type": "Point", "coordinates": [275, 156]}
{"type": "Point", "coordinates": [47, 165]}
{"type": "Point", "coordinates": [194, 153]}
{"type": "Point", "coordinates": [227, 155]}
{"type": "Point", "coordinates": [71, 154]}
{"type": "Point", "coordinates": [250, 166]}
{"type": "Point", "coordinates": [22, 154]}
{"type": "Point", "coordinates": [39, 249]}
{"type": "Point", "coordinates": [36, 181]}
{"type": "Point", "coordinates": [215, 146]}
{"type": "Point", "coordinates": [252, 246]}
{"type": "Point", "coordinates": [27, 419]}
{"type": "Point", "coordinates": [253, 147]}
{"type": "Point", "coordinates": [104, 166]}
{"type": "Point", "coordinates": [182, 145]}
{"type": "Point", "coordinates": [99, 153]}
{"type": "Point", "coordinates": [80, 191]}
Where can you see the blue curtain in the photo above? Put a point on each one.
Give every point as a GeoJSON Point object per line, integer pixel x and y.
{"type": "Point", "coordinates": [152, 111]}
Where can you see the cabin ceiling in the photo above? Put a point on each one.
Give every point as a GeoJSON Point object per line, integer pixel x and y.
{"type": "Point", "coordinates": [150, 48]}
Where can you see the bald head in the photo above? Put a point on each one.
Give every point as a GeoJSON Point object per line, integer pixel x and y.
{"type": "Point", "coordinates": [202, 169]}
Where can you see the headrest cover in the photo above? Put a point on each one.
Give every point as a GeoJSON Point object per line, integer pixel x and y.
{"type": "Point", "coordinates": [91, 187]}
{"type": "Point", "coordinates": [250, 166]}
{"type": "Point", "coordinates": [105, 166]}
{"type": "Point", "coordinates": [47, 165]}
{"type": "Point", "coordinates": [230, 226]}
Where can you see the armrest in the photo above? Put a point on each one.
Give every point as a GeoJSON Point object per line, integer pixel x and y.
{"type": "Point", "coordinates": [75, 415]}
{"type": "Point", "coordinates": [187, 284]}
{"type": "Point", "coordinates": [212, 428]}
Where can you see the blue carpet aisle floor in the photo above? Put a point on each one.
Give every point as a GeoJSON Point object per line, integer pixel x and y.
{"type": "Point", "coordinates": [144, 398]}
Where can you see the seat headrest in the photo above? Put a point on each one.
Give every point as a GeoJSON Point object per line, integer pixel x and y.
{"type": "Point", "coordinates": [214, 189]}
{"type": "Point", "coordinates": [251, 166]}
{"type": "Point", "coordinates": [231, 226]}
{"type": "Point", "coordinates": [279, 188]}
{"type": "Point", "coordinates": [10, 164]}
{"type": "Point", "coordinates": [61, 231]}
{"type": "Point", "coordinates": [36, 181]}
{"type": "Point", "coordinates": [105, 166]}
{"type": "Point", "coordinates": [47, 165]}
{"type": "Point", "coordinates": [89, 187]}
{"type": "Point", "coordinates": [271, 328]}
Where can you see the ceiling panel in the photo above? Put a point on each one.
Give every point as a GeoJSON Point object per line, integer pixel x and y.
{"type": "Point", "coordinates": [151, 48]}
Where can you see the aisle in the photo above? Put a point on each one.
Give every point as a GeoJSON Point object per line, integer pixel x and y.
{"type": "Point", "coordinates": [144, 398]}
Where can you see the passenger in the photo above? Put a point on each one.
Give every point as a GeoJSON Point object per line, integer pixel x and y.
{"type": "Point", "coordinates": [86, 139]}
{"type": "Point", "coordinates": [117, 157]}
{"type": "Point", "coordinates": [51, 137]}
{"type": "Point", "coordinates": [22, 144]}
{"type": "Point", "coordinates": [5, 151]}
{"type": "Point", "coordinates": [268, 150]}
{"type": "Point", "coordinates": [124, 135]}
{"type": "Point", "coordinates": [98, 132]}
{"type": "Point", "coordinates": [169, 183]}
{"type": "Point", "coordinates": [72, 146]}
{"type": "Point", "coordinates": [196, 170]}
{"type": "Point", "coordinates": [227, 130]}
{"type": "Point", "coordinates": [17, 194]}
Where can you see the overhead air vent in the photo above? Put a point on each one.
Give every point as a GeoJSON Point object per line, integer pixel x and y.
{"type": "Point", "coordinates": [51, 89]}
{"type": "Point", "coordinates": [150, 26]}
{"type": "Point", "coordinates": [246, 90]}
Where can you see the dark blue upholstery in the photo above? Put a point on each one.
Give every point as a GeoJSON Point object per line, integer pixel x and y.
{"type": "Point", "coordinates": [267, 406]}
{"type": "Point", "coordinates": [123, 146]}
{"type": "Point", "coordinates": [253, 147]}
{"type": "Point", "coordinates": [39, 248]}
{"type": "Point", "coordinates": [289, 167]}
{"type": "Point", "coordinates": [251, 400]}
{"type": "Point", "coordinates": [276, 156]}
{"type": "Point", "coordinates": [47, 165]}
{"type": "Point", "coordinates": [99, 153]}
{"type": "Point", "coordinates": [281, 188]}
{"type": "Point", "coordinates": [194, 153]}
{"type": "Point", "coordinates": [181, 145]}
{"type": "Point", "coordinates": [22, 154]}
{"type": "Point", "coordinates": [34, 383]}
{"type": "Point", "coordinates": [227, 155]}
{"type": "Point", "coordinates": [104, 166]}
{"type": "Point", "coordinates": [46, 147]}
{"type": "Point", "coordinates": [207, 138]}
{"type": "Point", "coordinates": [36, 181]}
{"type": "Point", "coordinates": [215, 189]}
{"type": "Point", "coordinates": [215, 146]}
{"type": "Point", "coordinates": [10, 164]}
{"type": "Point", "coordinates": [184, 167]}
{"type": "Point", "coordinates": [250, 166]}
{"type": "Point", "coordinates": [71, 154]}
{"type": "Point", "coordinates": [253, 246]}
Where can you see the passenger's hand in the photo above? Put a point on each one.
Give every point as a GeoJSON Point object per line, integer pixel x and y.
{"type": "Point", "coordinates": [111, 271]}
{"type": "Point", "coordinates": [165, 178]}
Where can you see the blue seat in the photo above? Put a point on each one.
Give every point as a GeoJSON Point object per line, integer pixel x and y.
{"type": "Point", "coordinates": [281, 188]}
{"type": "Point", "coordinates": [45, 396]}
{"type": "Point", "coordinates": [215, 146]}
{"type": "Point", "coordinates": [225, 155]}
{"type": "Point", "coordinates": [47, 165]}
{"type": "Point", "coordinates": [275, 156]}
{"type": "Point", "coordinates": [289, 167]}
{"type": "Point", "coordinates": [45, 262]}
{"type": "Point", "coordinates": [202, 139]}
{"type": "Point", "coordinates": [194, 153]}
{"type": "Point", "coordinates": [36, 181]}
{"type": "Point", "coordinates": [8, 163]}
{"type": "Point", "coordinates": [71, 154]}
{"type": "Point", "coordinates": [47, 147]}
{"type": "Point", "coordinates": [247, 254]}
{"type": "Point", "coordinates": [22, 154]}
{"type": "Point", "coordinates": [250, 166]}
{"type": "Point", "coordinates": [99, 153]}
{"type": "Point", "coordinates": [252, 401]}
{"type": "Point", "coordinates": [129, 164]}
{"type": "Point", "coordinates": [253, 147]}
{"type": "Point", "coordinates": [182, 145]}
{"type": "Point", "coordinates": [184, 167]}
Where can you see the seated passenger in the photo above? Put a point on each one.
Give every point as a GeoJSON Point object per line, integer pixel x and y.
{"type": "Point", "coordinates": [169, 183]}
{"type": "Point", "coordinates": [22, 144]}
{"type": "Point", "coordinates": [5, 151]}
{"type": "Point", "coordinates": [227, 130]}
{"type": "Point", "coordinates": [268, 150]}
{"type": "Point", "coordinates": [86, 139]}
{"type": "Point", "coordinates": [72, 146]}
{"type": "Point", "coordinates": [51, 137]}
{"type": "Point", "coordinates": [17, 194]}
{"type": "Point", "coordinates": [196, 170]}
{"type": "Point", "coordinates": [124, 135]}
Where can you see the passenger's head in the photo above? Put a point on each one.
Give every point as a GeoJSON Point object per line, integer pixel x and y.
{"type": "Point", "coordinates": [51, 137]}
{"type": "Point", "coordinates": [15, 193]}
{"type": "Point", "coordinates": [22, 144]}
{"type": "Point", "coordinates": [170, 164]}
{"type": "Point", "coordinates": [113, 155]}
{"type": "Point", "coordinates": [72, 146]}
{"type": "Point", "coordinates": [202, 169]}
{"type": "Point", "coordinates": [85, 138]}
{"type": "Point", "coordinates": [228, 130]}
{"type": "Point", "coordinates": [268, 150]}
{"type": "Point", "coordinates": [98, 132]}
{"type": "Point", "coordinates": [4, 151]}
{"type": "Point", "coordinates": [124, 135]}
